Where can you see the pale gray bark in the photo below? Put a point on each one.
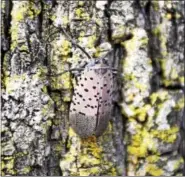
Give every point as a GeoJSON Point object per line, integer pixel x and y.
{"type": "Point", "coordinates": [146, 135]}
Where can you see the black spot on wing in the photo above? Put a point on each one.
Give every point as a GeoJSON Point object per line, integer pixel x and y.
{"type": "Point", "coordinates": [82, 113]}
{"type": "Point", "coordinates": [86, 90]}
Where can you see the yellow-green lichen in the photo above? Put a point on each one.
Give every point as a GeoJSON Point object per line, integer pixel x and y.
{"type": "Point", "coordinates": [82, 14]}
{"type": "Point", "coordinates": [10, 164]}
{"type": "Point", "coordinates": [45, 127]}
{"type": "Point", "coordinates": [49, 123]}
{"type": "Point", "coordinates": [180, 104]}
{"type": "Point", "coordinates": [140, 86]}
{"type": "Point", "coordinates": [79, 12]}
{"type": "Point", "coordinates": [2, 164]}
{"type": "Point", "coordinates": [21, 10]}
{"type": "Point", "coordinates": [21, 154]}
{"type": "Point", "coordinates": [89, 160]}
{"type": "Point", "coordinates": [82, 34]}
{"type": "Point", "coordinates": [168, 136]}
{"type": "Point", "coordinates": [65, 20]}
{"type": "Point", "coordinates": [44, 89]}
{"type": "Point", "coordinates": [57, 121]}
{"type": "Point", "coordinates": [65, 47]}
{"type": "Point", "coordinates": [91, 41]}
{"type": "Point", "coordinates": [91, 145]}
{"type": "Point", "coordinates": [154, 170]}
{"type": "Point", "coordinates": [89, 157]}
{"type": "Point", "coordinates": [62, 82]}
{"type": "Point", "coordinates": [7, 164]}
{"type": "Point", "coordinates": [113, 172]}
{"type": "Point", "coordinates": [141, 113]}
{"type": "Point", "coordinates": [119, 34]}
{"type": "Point", "coordinates": [144, 41]}
{"type": "Point", "coordinates": [158, 32]}
{"type": "Point", "coordinates": [130, 77]}
{"type": "Point", "coordinates": [156, 5]}
{"type": "Point", "coordinates": [53, 17]}
{"type": "Point", "coordinates": [71, 132]}
{"type": "Point", "coordinates": [168, 16]}
{"type": "Point", "coordinates": [26, 170]}
{"type": "Point", "coordinates": [178, 15]}
{"type": "Point", "coordinates": [162, 96]}
{"type": "Point", "coordinates": [13, 83]}
{"type": "Point", "coordinates": [89, 171]}
{"type": "Point", "coordinates": [66, 81]}
{"type": "Point", "coordinates": [139, 38]}
{"type": "Point", "coordinates": [23, 48]}
{"type": "Point", "coordinates": [152, 158]}
{"type": "Point", "coordinates": [25, 9]}
{"type": "Point", "coordinates": [181, 79]}
{"type": "Point", "coordinates": [59, 146]}
{"type": "Point", "coordinates": [141, 143]}
{"type": "Point", "coordinates": [63, 107]}
{"type": "Point", "coordinates": [174, 74]}
{"type": "Point", "coordinates": [81, 3]}
{"type": "Point", "coordinates": [178, 163]}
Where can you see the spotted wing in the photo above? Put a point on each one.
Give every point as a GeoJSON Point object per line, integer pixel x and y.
{"type": "Point", "coordinates": [84, 106]}
{"type": "Point", "coordinates": [105, 104]}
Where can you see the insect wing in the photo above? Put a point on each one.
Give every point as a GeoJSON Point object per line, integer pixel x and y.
{"type": "Point", "coordinates": [104, 102]}
{"type": "Point", "coordinates": [84, 106]}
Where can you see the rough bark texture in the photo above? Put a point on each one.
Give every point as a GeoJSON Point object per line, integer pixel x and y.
{"type": "Point", "coordinates": [146, 135]}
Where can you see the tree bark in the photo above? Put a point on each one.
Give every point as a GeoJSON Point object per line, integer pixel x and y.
{"type": "Point", "coordinates": [146, 134]}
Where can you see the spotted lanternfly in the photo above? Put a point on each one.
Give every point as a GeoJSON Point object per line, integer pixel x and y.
{"type": "Point", "coordinates": [91, 105]}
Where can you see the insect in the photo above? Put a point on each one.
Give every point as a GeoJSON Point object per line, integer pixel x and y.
{"type": "Point", "coordinates": [91, 106]}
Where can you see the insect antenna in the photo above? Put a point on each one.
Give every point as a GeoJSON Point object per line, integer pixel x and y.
{"type": "Point", "coordinates": [74, 42]}
{"type": "Point", "coordinates": [72, 69]}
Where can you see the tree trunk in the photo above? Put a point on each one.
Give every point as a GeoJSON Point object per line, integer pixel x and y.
{"type": "Point", "coordinates": [146, 134]}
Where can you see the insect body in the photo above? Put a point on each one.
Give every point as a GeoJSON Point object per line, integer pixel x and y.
{"type": "Point", "coordinates": [91, 105]}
